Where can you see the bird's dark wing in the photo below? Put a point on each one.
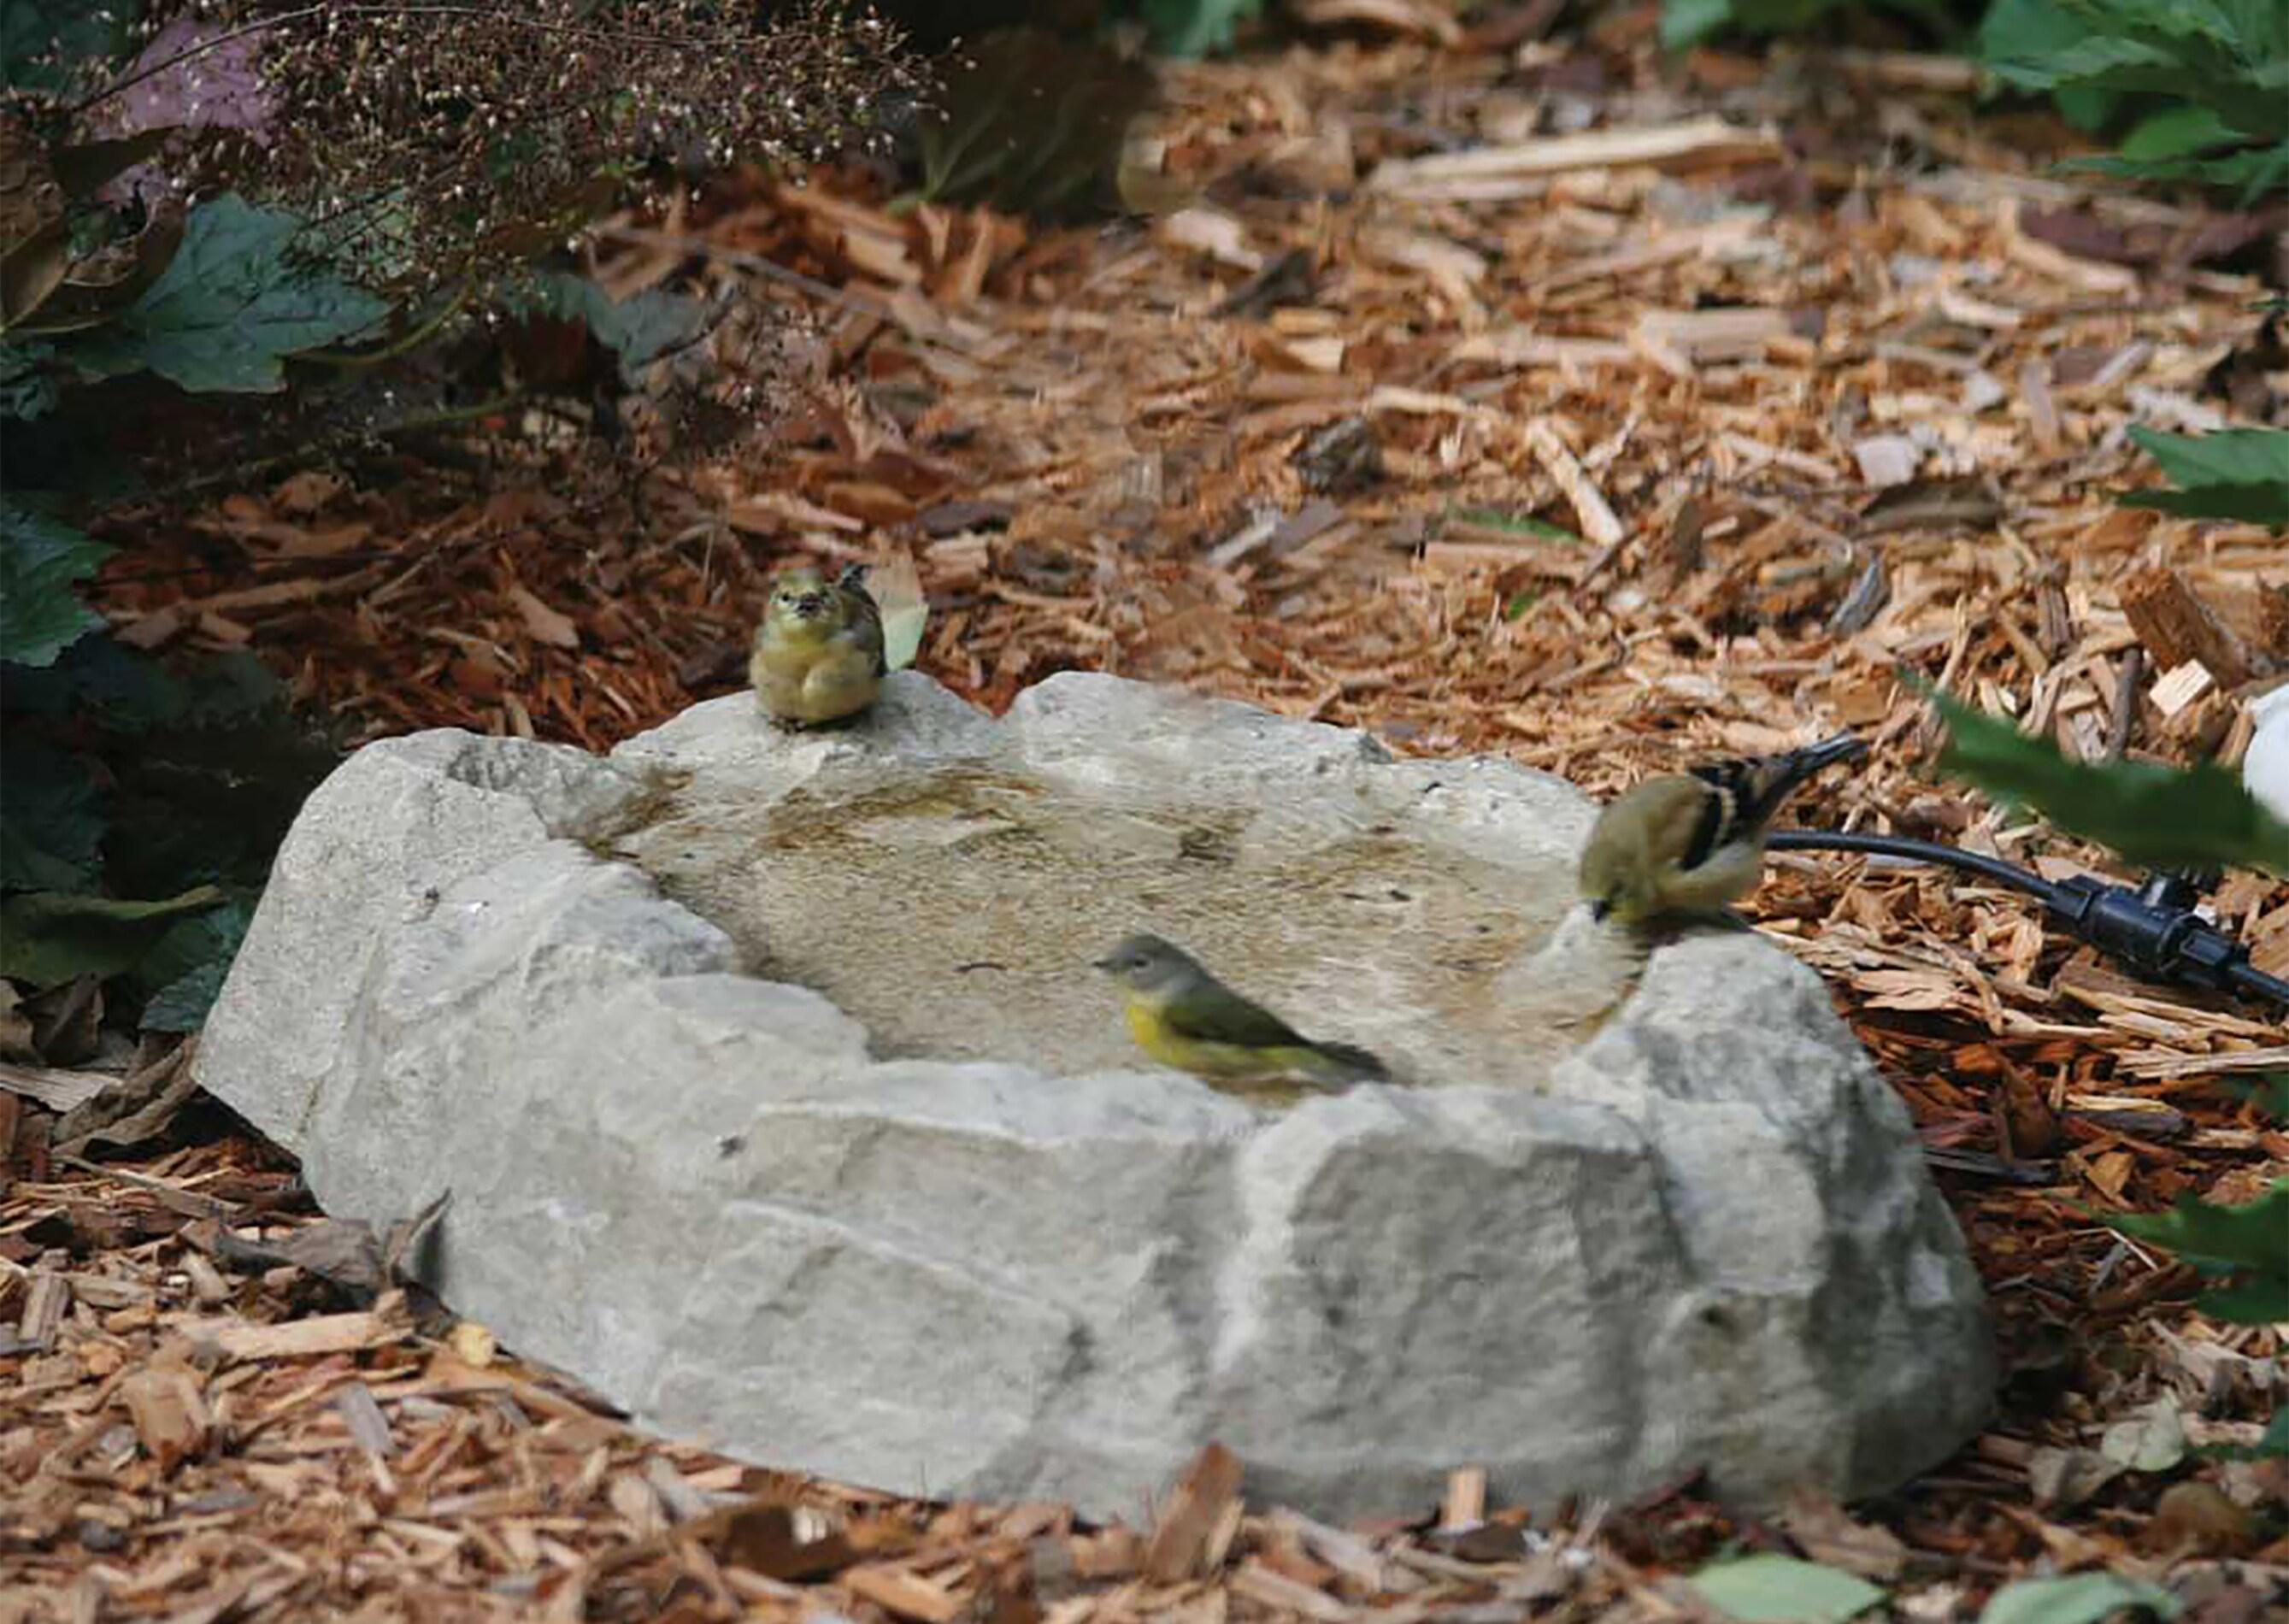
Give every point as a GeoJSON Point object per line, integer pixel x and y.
{"type": "Point", "coordinates": [866, 615]}
{"type": "Point", "coordinates": [1714, 820]}
{"type": "Point", "coordinates": [1216, 1014]}
{"type": "Point", "coordinates": [1753, 790]}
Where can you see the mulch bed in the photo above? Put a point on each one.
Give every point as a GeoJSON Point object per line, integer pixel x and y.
{"type": "Point", "coordinates": [1618, 436]}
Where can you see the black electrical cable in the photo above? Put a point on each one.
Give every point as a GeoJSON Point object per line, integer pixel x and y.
{"type": "Point", "coordinates": [2152, 929]}
{"type": "Point", "coordinates": [1921, 851]}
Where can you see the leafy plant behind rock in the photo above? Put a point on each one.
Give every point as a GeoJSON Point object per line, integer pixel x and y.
{"type": "Point", "coordinates": [2207, 81]}
{"type": "Point", "coordinates": [206, 204]}
{"type": "Point", "coordinates": [2158, 817]}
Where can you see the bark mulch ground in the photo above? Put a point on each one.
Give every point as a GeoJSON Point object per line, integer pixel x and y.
{"type": "Point", "coordinates": [1494, 395]}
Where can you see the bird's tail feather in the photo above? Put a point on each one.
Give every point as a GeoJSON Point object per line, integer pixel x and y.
{"type": "Point", "coordinates": [1767, 782]}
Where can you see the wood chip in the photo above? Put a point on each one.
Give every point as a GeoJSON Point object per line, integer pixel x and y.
{"type": "Point", "coordinates": [1693, 140]}
{"type": "Point", "coordinates": [171, 1417]}
{"type": "Point", "coordinates": [1465, 1505]}
{"type": "Point", "coordinates": [54, 1086]}
{"type": "Point", "coordinates": [550, 626]}
{"type": "Point", "coordinates": [907, 1595]}
{"type": "Point", "coordinates": [2177, 626]}
{"type": "Point", "coordinates": [1887, 459]}
{"type": "Point", "coordinates": [367, 1424]}
{"type": "Point", "coordinates": [1283, 1594]}
{"type": "Point", "coordinates": [298, 1338]}
{"type": "Point", "coordinates": [2179, 686]}
{"type": "Point", "coordinates": [1591, 510]}
{"type": "Point", "coordinates": [1181, 1537]}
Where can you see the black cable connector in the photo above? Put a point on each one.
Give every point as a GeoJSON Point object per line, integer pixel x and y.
{"type": "Point", "coordinates": [2153, 928]}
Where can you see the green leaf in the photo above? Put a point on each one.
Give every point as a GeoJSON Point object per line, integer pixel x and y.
{"type": "Point", "coordinates": [51, 819]}
{"type": "Point", "coordinates": [2235, 473]}
{"type": "Point", "coordinates": [2207, 74]}
{"type": "Point", "coordinates": [1784, 1590]}
{"type": "Point", "coordinates": [48, 938]}
{"type": "Point", "coordinates": [185, 967]}
{"type": "Point", "coordinates": [181, 1005]}
{"type": "Point", "coordinates": [2247, 1247]}
{"type": "Point", "coordinates": [2083, 1598]}
{"type": "Point", "coordinates": [2250, 173]}
{"type": "Point", "coordinates": [233, 305]}
{"type": "Point", "coordinates": [1194, 28]}
{"type": "Point", "coordinates": [1686, 23]}
{"type": "Point", "coordinates": [122, 688]}
{"type": "Point", "coordinates": [2229, 456]}
{"type": "Point", "coordinates": [1028, 120]}
{"type": "Point", "coordinates": [43, 40]}
{"type": "Point", "coordinates": [2255, 1299]}
{"type": "Point", "coordinates": [2269, 1092]}
{"type": "Point", "coordinates": [40, 559]}
{"type": "Point", "coordinates": [2272, 1444]}
{"type": "Point", "coordinates": [2152, 816]}
{"type": "Point", "coordinates": [196, 940]}
{"type": "Point", "coordinates": [28, 388]}
{"type": "Point", "coordinates": [1519, 524]}
{"type": "Point", "coordinates": [638, 329]}
{"type": "Point", "coordinates": [2177, 132]}
{"type": "Point", "coordinates": [2248, 504]}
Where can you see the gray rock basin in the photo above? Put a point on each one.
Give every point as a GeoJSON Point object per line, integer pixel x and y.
{"type": "Point", "coordinates": [778, 1101]}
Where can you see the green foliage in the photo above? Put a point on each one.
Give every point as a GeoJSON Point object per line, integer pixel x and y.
{"type": "Point", "coordinates": [638, 329]}
{"type": "Point", "coordinates": [1195, 27]}
{"type": "Point", "coordinates": [1518, 524]}
{"type": "Point", "coordinates": [1029, 121]}
{"type": "Point", "coordinates": [2030, 31]}
{"type": "Point", "coordinates": [126, 782]}
{"type": "Point", "coordinates": [1784, 1590]}
{"type": "Point", "coordinates": [1688, 22]}
{"type": "Point", "coordinates": [2269, 1093]}
{"type": "Point", "coordinates": [43, 42]}
{"type": "Point", "coordinates": [2272, 1444]}
{"type": "Point", "coordinates": [2080, 1598]}
{"type": "Point", "coordinates": [48, 938]}
{"type": "Point", "coordinates": [2214, 74]}
{"type": "Point", "coordinates": [28, 388]}
{"type": "Point", "coordinates": [2235, 473]}
{"type": "Point", "coordinates": [235, 302]}
{"type": "Point", "coordinates": [41, 557]}
{"type": "Point", "coordinates": [2153, 816]}
{"type": "Point", "coordinates": [51, 821]}
{"type": "Point", "coordinates": [2246, 1246]}
{"type": "Point", "coordinates": [144, 802]}
{"type": "Point", "coordinates": [184, 969]}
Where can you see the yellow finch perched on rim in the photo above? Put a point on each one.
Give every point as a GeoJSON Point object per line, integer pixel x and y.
{"type": "Point", "coordinates": [823, 647]}
{"type": "Point", "coordinates": [1693, 842]}
{"type": "Point", "coordinates": [1182, 1016]}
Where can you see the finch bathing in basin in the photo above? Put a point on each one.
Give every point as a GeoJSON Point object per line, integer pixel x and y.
{"type": "Point", "coordinates": [1692, 843]}
{"type": "Point", "coordinates": [1182, 1016]}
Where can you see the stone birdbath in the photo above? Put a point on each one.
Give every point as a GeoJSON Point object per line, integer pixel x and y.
{"type": "Point", "coordinates": [778, 1101]}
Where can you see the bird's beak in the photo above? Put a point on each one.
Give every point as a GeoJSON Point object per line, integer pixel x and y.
{"type": "Point", "coordinates": [1599, 909]}
{"type": "Point", "coordinates": [1105, 964]}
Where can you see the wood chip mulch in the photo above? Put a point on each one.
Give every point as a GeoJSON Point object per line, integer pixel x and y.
{"type": "Point", "coordinates": [1503, 395]}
